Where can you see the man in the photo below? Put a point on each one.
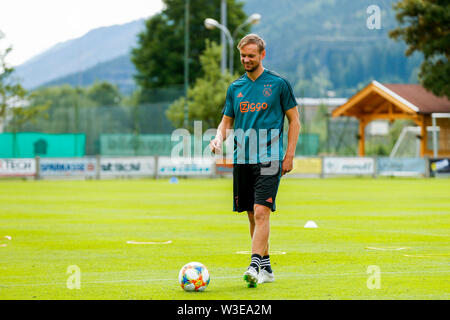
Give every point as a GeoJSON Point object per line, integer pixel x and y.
{"type": "Point", "coordinates": [256, 104]}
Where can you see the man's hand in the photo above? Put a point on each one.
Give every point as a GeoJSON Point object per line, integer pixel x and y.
{"type": "Point", "coordinates": [222, 132]}
{"type": "Point", "coordinates": [287, 165]}
{"type": "Point", "coordinates": [216, 146]}
{"type": "Point", "coordinates": [293, 132]}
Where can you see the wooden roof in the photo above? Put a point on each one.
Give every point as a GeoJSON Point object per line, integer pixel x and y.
{"type": "Point", "coordinates": [392, 101]}
{"type": "Point", "coordinates": [425, 100]}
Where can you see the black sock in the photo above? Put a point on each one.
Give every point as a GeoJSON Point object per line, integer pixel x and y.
{"type": "Point", "coordinates": [256, 261]}
{"type": "Point", "coordinates": [265, 264]}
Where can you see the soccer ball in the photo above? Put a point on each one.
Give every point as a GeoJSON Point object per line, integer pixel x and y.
{"type": "Point", "coordinates": [193, 277]}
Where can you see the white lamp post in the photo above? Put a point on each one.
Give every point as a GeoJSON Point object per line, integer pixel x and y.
{"type": "Point", "coordinates": [211, 24]}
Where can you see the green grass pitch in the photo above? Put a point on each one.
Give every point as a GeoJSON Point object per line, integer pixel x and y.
{"type": "Point", "coordinates": [400, 226]}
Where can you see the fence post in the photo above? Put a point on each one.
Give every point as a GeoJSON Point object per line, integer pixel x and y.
{"type": "Point", "coordinates": [37, 176]}
{"type": "Point", "coordinates": [322, 164]}
{"type": "Point", "coordinates": [427, 167]}
{"type": "Point", "coordinates": [214, 169]}
{"type": "Point", "coordinates": [99, 168]}
{"type": "Point", "coordinates": [375, 168]}
{"type": "Point", "coordinates": [155, 170]}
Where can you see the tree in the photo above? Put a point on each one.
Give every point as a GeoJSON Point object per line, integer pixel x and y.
{"type": "Point", "coordinates": [14, 99]}
{"type": "Point", "coordinates": [159, 55]}
{"type": "Point", "coordinates": [92, 111]}
{"type": "Point", "coordinates": [427, 30]}
{"type": "Point", "coordinates": [60, 115]}
{"type": "Point", "coordinates": [207, 97]}
{"type": "Point", "coordinates": [104, 94]}
{"type": "Point", "coordinates": [12, 94]}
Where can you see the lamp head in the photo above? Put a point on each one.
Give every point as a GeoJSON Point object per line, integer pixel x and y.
{"type": "Point", "coordinates": [254, 18]}
{"type": "Point", "coordinates": [210, 23]}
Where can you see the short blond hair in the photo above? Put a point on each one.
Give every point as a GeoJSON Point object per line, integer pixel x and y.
{"type": "Point", "coordinates": [252, 38]}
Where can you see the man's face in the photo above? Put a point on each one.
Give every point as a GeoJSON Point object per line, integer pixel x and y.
{"type": "Point", "coordinates": [251, 57]}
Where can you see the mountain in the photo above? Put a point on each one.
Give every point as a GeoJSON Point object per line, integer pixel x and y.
{"type": "Point", "coordinates": [97, 46]}
{"type": "Point", "coordinates": [118, 71]}
{"type": "Point", "coordinates": [326, 45]}
{"type": "Point", "coordinates": [322, 47]}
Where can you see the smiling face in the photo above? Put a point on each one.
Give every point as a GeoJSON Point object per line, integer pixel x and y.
{"type": "Point", "coordinates": [251, 57]}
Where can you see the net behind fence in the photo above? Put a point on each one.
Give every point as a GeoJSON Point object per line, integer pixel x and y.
{"type": "Point", "coordinates": [29, 145]}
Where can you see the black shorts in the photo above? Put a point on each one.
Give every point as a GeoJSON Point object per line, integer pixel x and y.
{"type": "Point", "coordinates": [255, 184]}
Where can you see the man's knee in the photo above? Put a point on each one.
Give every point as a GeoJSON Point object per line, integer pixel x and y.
{"type": "Point", "coordinates": [261, 213]}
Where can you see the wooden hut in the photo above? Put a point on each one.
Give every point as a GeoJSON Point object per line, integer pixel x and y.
{"type": "Point", "coordinates": [400, 101]}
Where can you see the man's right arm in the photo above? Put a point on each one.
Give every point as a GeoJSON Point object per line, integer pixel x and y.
{"type": "Point", "coordinates": [223, 130]}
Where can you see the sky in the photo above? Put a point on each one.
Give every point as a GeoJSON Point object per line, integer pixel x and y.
{"type": "Point", "coordinates": [33, 26]}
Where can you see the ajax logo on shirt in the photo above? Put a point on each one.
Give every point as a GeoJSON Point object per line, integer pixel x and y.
{"type": "Point", "coordinates": [267, 91]}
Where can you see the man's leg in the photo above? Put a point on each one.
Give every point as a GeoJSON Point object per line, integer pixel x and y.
{"type": "Point", "coordinates": [266, 272]}
{"type": "Point", "coordinates": [259, 230]}
{"type": "Point", "coordinates": [251, 220]}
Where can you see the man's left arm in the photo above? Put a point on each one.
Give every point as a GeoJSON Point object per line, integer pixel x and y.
{"type": "Point", "coordinates": [293, 132]}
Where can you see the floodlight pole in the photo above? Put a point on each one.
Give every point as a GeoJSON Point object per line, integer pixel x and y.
{"type": "Point", "coordinates": [186, 62]}
{"type": "Point", "coordinates": [223, 22]}
{"type": "Point", "coordinates": [228, 36]}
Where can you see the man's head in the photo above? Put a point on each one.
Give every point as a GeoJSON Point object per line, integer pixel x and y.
{"type": "Point", "coordinates": [253, 50]}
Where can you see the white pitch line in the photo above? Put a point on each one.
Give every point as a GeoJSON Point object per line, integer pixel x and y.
{"type": "Point", "coordinates": [390, 231]}
{"type": "Point", "coordinates": [429, 255]}
{"type": "Point", "coordinates": [149, 242]}
{"type": "Point", "coordinates": [280, 276]}
{"type": "Point", "coordinates": [388, 249]}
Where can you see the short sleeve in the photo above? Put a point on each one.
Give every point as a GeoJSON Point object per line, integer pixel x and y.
{"type": "Point", "coordinates": [228, 109]}
{"type": "Point", "coordinates": [288, 100]}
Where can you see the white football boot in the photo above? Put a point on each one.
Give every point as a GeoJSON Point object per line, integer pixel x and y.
{"type": "Point", "coordinates": [251, 277]}
{"type": "Point", "coordinates": [265, 276]}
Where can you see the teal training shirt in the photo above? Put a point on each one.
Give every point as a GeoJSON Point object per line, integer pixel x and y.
{"type": "Point", "coordinates": [258, 108]}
